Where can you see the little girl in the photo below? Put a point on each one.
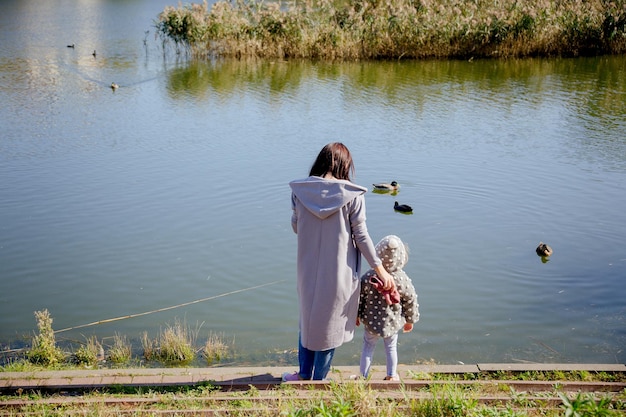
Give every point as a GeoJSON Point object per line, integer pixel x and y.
{"type": "Point", "coordinates": [383, 313]}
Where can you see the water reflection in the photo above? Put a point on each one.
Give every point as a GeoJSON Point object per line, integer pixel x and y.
{"type": "Point", "coordinates": [601, 84]}
{"type": "Point", "coordinates": [227, 77]}
{"type": "Point", "coordinates": [586, 93]}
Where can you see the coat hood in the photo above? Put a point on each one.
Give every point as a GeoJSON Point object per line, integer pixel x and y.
{"type": "Point", "coordinates": [322, 196]}
{"type": "Point", "coordinates": [392, 252]}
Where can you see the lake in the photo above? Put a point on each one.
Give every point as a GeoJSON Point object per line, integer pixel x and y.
{"type": "Point", "coordinates": [173, 189]}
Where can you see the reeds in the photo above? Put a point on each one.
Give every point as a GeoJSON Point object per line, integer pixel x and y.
{"type": "Point", "coordinates": [215, 349]}
{"type": "Point", "coordinates": [382, 29]}
{"type": "Point", "coordinates": [121, 350]}
{"type": "Point", "coordinates": [90, 353]}
{"type": "Point", "coordinates": [174, 345]}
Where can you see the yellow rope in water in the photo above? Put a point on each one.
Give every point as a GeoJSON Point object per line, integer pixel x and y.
{"type": "Point", "coordinates": [130, 316]}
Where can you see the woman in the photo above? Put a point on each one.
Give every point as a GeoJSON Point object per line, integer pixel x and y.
{"type": "Point", "coordinates": [329, 219]}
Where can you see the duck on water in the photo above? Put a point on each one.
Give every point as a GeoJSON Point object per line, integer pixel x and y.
{"type": "Point", "coordinates": [392, 186]}
{"type": "Point", "coordinates": [403, 208]}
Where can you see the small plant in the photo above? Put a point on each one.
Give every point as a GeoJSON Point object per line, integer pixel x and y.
{"type": "Point", "coordinates": [173, 346]}
{"type": "Point", "coordinates": [419, 375]}
{"type": "Point", "coordinates": [336, 408]}
{"type": "Point", "coordinates": [90, 353]}
{"type": "Point", "coordinates": [574, 407]}
{"type": "Point", "coordinates": [121, 351]}
{"type": "Point", "coordinates": [149, 347]}
{"type": "Point", "coordinates": [214, 348]}
{"type": "Point", "coordinates": [358, 395]}
{"type": "Point", "coordinates": [508, 412]}
{"type": "Point", "coordinates": [448, 400]}
{"type": "Point", "coordinates": [583, 375]}
{"type": "Point", "coordinates": [19, 365]}
{"type": "Point", "coordinates": [176, 344]}
{"type": "Point", "coordinates": [297, 412]}
{"type": "Point", "coordinates": [44, 350]}
{"type": "Point", "coordinates": [585, 405]}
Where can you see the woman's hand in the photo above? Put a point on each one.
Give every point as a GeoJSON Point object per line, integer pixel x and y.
{"type": "Point", "coordinates": [386, 277]}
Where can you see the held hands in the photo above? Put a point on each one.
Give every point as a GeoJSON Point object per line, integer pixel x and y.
{"type": "Point", "coordinates": [386, 277]}
{"type": "Point", "coordinates": [391, 296]}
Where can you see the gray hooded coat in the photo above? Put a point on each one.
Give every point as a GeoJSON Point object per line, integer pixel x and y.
{"type": "Point", "coordinates": [379, 317]}
{"type": "Point", "coordinates": [329, 219]}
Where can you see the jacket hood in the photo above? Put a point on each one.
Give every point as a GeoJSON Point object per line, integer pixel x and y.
{"type": "Point", "coordinates": [392, 252]}
{"type": "Point", "coordinates": [322, 196]}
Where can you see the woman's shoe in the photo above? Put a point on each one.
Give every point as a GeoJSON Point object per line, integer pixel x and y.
{"type": "Point", "coordinates": [287, 377]}
{"type": "Point", "coordinates": [392, 378]}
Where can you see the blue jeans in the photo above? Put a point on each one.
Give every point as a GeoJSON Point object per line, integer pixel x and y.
{"type": "Point", "coordinates": [369, 343]}
{"type": "Point", "coordinates": [314, 363]}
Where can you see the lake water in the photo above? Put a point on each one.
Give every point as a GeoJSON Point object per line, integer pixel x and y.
{"type": "Point", "coordinates": [173, 189]}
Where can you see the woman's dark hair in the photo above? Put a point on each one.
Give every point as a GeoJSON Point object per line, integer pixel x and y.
{"type": "Point", "coordinates": [334, 158]}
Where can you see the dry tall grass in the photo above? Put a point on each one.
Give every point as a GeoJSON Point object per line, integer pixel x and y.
{"type": "Point", "coordinates": [215, 348]}
{"type": "Point", "coordinates": [121, 351]}
{"type": "Point", "coordinates": [174, 344]}
{"type": "Point", "coordinates": [382, 29]}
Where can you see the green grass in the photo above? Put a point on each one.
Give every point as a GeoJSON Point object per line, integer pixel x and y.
{"type": "Point", "coordinates": [394, 29]}
{"type": "Point", "coordinates": [90, 353]}
{"type": "Point", "coordinates": [173, 346]}
{"type": "Point", "coordinates": [339, 400]}
{"type": "Point", "coordinates": [215, 349]}
{"type": "Point", "coordinates": [120, 352]}
{"type": "Point", "coordinates": [576, 375]}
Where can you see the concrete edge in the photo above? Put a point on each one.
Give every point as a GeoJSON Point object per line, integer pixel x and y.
{"type": "Point", "coordinates": [565, 367]}
{"type": "Point", "coordinates": [260, 377]}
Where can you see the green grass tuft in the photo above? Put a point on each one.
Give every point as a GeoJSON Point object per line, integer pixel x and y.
{"type": "Point", "coordinates": [121, 351]}
{"type": "Point", "coordinates": [90, 353]}
{"type": "Point", "coordinates": [173, 346]}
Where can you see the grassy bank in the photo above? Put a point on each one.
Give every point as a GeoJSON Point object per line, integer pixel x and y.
{"type": "Point", "coordinates": [449, 393]}
{"type": "Point", "coordinates": [453, 397]}
{"type": "Point", "coordinates": [443, 394]}
{"type": "Point", "coordinates": [393, 29]}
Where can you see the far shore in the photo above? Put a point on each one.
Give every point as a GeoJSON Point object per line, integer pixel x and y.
{"type": "Point", "coordinates": [396, 29]}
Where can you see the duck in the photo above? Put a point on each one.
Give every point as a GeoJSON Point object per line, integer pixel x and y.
{"type": "Point", "coordinates": [114, 86]}
{"type": "Point", "coordinates": [544, 250]}
{"type": "Point", "coordinates": [94, 53]}
{"type": "Point", "coordinates": [386, 186]}
{"type": "Point", "coordinates": [70, 46]}
{"type": "Point", "coordinates": [404, 208]}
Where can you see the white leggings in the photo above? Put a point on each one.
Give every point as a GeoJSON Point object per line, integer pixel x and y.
{"type": "Point", "coordinates": [369, 344]}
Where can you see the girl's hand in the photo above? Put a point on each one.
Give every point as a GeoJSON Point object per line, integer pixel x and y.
{"type": "Point", "coordinates": [358, 322]}
{"type": "Point", "coordinates": [407, 327]}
